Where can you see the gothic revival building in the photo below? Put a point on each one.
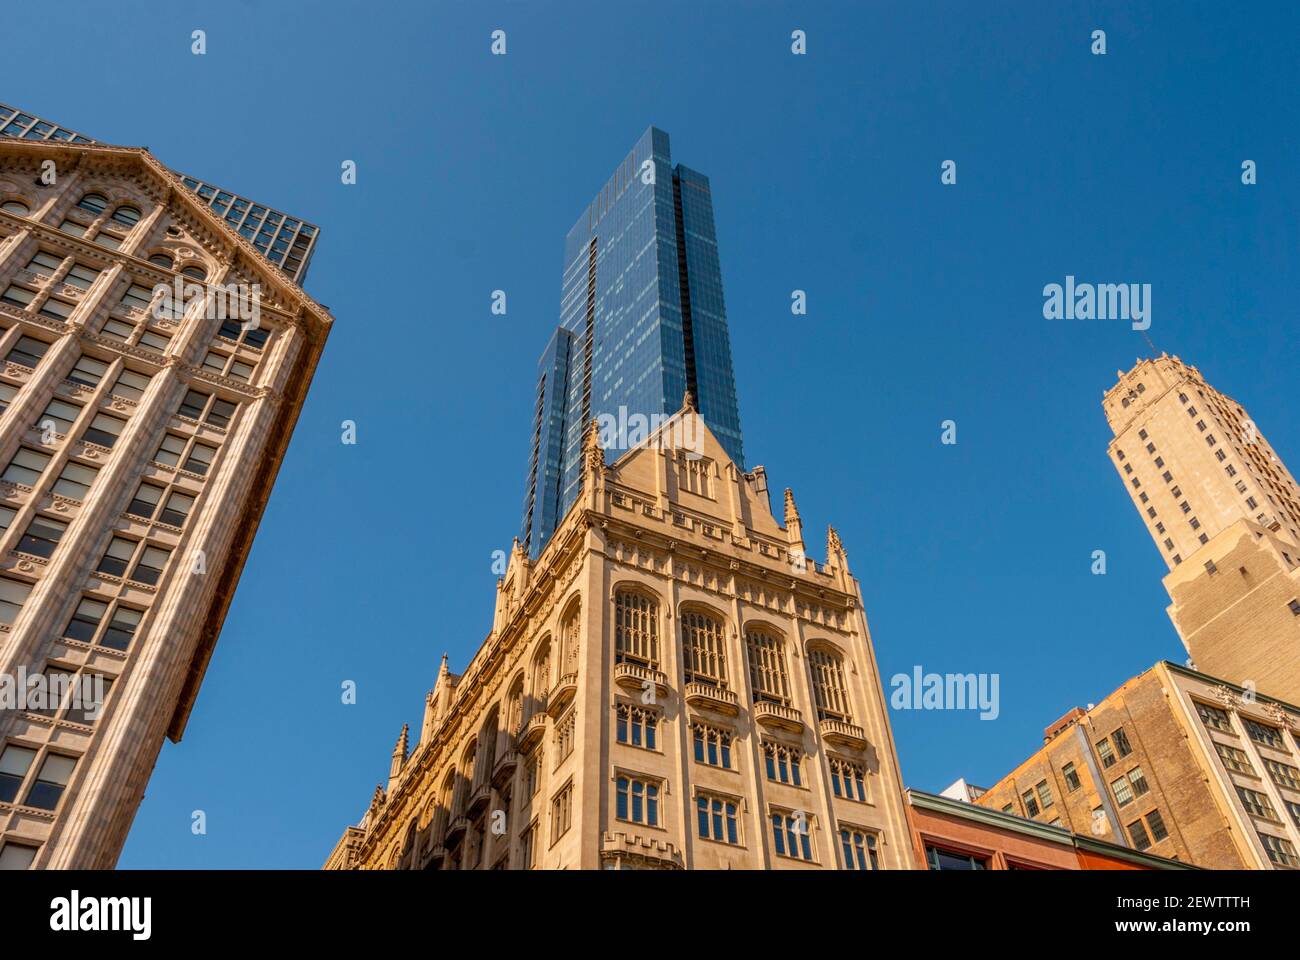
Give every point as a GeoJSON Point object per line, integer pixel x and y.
{"type": "Point", "coordinates": [670, 684]}
{"type": "Point", "coordinates": [139, 443]}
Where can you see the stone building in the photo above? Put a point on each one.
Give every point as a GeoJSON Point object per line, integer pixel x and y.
{"type": "Point", "coordinates": [1224, 512]}
{"type": "Point", "coordinates": [670, 684]}
{"type": "Point", "coordinates": [1174, 763]}
{"type": "Point", "coordinates": [139, 441]}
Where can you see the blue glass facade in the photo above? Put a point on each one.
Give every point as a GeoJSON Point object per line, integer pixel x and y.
{"type": "Point", "coordinates": [642, 319]}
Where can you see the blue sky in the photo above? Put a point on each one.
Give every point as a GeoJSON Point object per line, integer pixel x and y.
{"type": "Point", "coordinates": [924, 304]}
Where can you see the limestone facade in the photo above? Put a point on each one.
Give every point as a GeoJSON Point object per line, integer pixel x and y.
{"type": "Point", "coordinates": [137, 452]}
{"type": "Point", "coordinates": [670, 684]}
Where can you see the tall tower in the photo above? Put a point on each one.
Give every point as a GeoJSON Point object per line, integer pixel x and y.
{"type": "Point", "coordinates": [1224, 512]}
{"type": "Point", "coordinates": [139, 441]}
{"type": "Point", "coordinates": [671, 684]}
{"type": "Point", "coordinates": [642, 321]}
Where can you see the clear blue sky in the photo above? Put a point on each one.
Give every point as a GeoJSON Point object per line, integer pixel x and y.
{"type": "Point", "coordinates": [925, 303]}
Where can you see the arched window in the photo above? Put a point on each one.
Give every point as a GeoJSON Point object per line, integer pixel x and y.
{"type": "Point", "coordinates": [542, 675]}
{"type": "Point", "coordinates": [636, 629]}
{"type": "Point", "coordinates": [126, 215]}
{"type": "Point", "coordinates": [488, 737]}
{"type": "Point", "coordinates": [464, 783]}
{"type": "Point", "coordinates": [767, 675]}
{"type": "Point", "coordinates": [197, 272]}
{"type": "Point", "coordinates": [703, 649]}
{"type": "Point", "coordinates": [93, 203]}
{"type": "Point", "coordinates": [162, 260]}
{"type": "Point", "coordinates": [569, 639]}
{"type": "Point", "coordinates": [829, 689]}
{"type": "Point", "coordinates": [515, 708]}
{"type": "Point", "coordinates": [15, 207]}
{"type": "Point", "coordinates": [445, 797]}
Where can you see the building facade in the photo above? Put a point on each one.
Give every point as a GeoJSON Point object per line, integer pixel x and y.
{"type": "Point", "coordinates": [1174, 763]}
{"type": "Point", "coordinates": [139, 445]}
{"type": "Point", "coordinates": [288, 242]}
{"type": "Point", "coordinates": [950, 833]}
{"type": "Point", "coordinates": [670, 684]}
{"type": "Point", "coordinates": [1224, 512]}
{"type": "Point", "coordinates": [642, 321]}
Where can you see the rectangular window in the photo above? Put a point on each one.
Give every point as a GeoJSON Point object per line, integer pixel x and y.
{"type": "Point", "coordinates": [1263, 733]}
{"type": "Point", "coordinates": [117, 557]}
{"type": "Point", "coordinates": [27, 352]}
{"type": "Point", "coordinates": [712, 746]}
{"type": "Point", "coordinates": [1234, 759]}
{"type": "Point", "coordinates": [1257, 804]}
{"type": "Point", "coordinates": [16, 856]}
{"type": "Point", "coordinates": [18, 296]}
{"type": "Point", "coordinates": [104, 430]}
{"type": "Point", "coordinates": [138, 297]}
{"type": "Point", "coordinates": [859, 849]}
{"type": "Point", "coordinates": [717, 819]}
{"type": "Point", "coordinates": [941, 859]}
{"type": "Point", "coordinates": [1123, 792]}
{"type": "Point", "coordinates": [46, 263]}
{"type": "Point", "coordinates": [75, 480]}
{"type": "Point", "coordinates": [1121, 742]}
{"type": "Point", "coordinates": [88, 371]}
{"type": "Point", "coordinates": [42, 536]}
{"type": "Point", "coordinates": [635, 726]}
{"type": "Point", "coordinates": [562, 812]}
{"type": "Point", "coordinates": [792, 835]}
{"type": "Point", "coordinates": [1071, 777]}
{"type": "Point", "coordinates": [54, 774]}
{"type": "Point", "coordinates": [1044, 794]}
{"type": "Point", "coordinates": [85, 620]}
{"type": "Point", "coordinates": [130, 385]}
{"type": "Point", "coordinates": [151, 565]}
{"type": "Point", "coordinates": [782, 763]}
{"type": "Point", "coordinates": [81, 276]}
{"type": "Point", "coordinates": [170, 450]}
{"type": "Point", "coordinates": [177, 509]}
{"type": "Point", "coordinates": [848, 780]}
{"type": "Point", "coordinates": [26, 467]}
{"type": "Point", "coordinates": [1280, 851]}
{"type": "Point", "coordinates": [13, 594]}
{"type": "Point", "coordinates": [1031, 804]}
{"type": "Point", "coordinates": [121, 628]}
{"type": "Point", "coordinates": [1138, 833]}
{"type": "Point", "coordinates": [1106, 754]}
{"type": "Point", "coordinates": [15, 761]}
{"type": "Point", "coordinates": [200, 459]}
{"type": "Point", "coordinates": [1139, 781]}
{"type": "Point", "coordinates": [1214, 718]}
{"type": "Point", "coordinates": [58, 417]}
{"type": "Point", "coordinates": [637, 801]}
{"type": "Point", "coordinates": [58, 309]}
{"type": "Point", "coordinates": [145, 502]}
{"type": "Point", "coordinates": [1156, 824]}
{"type": "Point", "coordinates": [1283, 774]}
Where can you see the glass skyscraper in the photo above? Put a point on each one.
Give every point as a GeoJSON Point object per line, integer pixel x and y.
{"type": "Point", "coordinates": [642, 320]}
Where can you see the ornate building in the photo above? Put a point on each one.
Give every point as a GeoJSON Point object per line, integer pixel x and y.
{"type": "Point", "coordinates": [139, 446]}
{"type": "Point", "coordinates": [669, 684]}
{"type": "Point", "coordinates": [1173, 763]}
{"type": "Point", "coordinates": [1224, 512]}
